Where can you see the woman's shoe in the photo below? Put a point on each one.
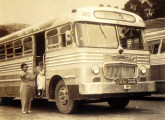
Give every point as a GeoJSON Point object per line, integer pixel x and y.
{"type": "Point", "coordinates": [24, 112]}
{"type": "Point", "coordinates": [39, 94]}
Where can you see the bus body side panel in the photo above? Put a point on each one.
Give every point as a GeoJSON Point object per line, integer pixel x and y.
{"type": "Point", "coordinates": [10, 75]}
{"type": "Point", "coordinates": [158, 71]}
{"type": "Point", "coordinates": [74, 66]}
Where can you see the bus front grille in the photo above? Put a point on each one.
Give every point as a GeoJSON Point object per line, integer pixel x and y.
{"type": "Point", "coordinates": [120, 70]}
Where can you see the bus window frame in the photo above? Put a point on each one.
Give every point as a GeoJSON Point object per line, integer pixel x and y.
{"type": "Point", "coordinates": [3, 55]}
{"type": "Point", "coordinates": [7, 48]}
{"type": "Point", "coordinates": [161, 45]}
{"type": "Point", "coordinates": [141, 39]}
{"type": "Point", "coordinates": [52, 46]}
{"type": "Point", "coordinates": [152, 41]}
{"type": "Point", "coordinates": [59, 34]}
{"type": "Point", "coordinates": [32, 46]}
{"type": "Point", "coordinates": [17, 47]}
{"type": "Point", "coordinates": [63, 35]}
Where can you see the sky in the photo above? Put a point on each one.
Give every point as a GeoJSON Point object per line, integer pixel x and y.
{"type": "Point", "coordinates": [36, 11]}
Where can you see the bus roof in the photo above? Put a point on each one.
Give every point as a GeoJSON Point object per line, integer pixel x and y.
{"type": "Point", "coordinates": [155, 29]}
{"type": "Point", "coordinates": [155, 23]}
{"type": "Point", "coordinates": [90, 14]}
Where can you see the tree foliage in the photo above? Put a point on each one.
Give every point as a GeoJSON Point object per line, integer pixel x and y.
{"type": "Point", "coordinates": [147, 9]}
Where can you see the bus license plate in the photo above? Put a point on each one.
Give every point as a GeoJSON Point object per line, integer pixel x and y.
{"type": "Point", "coordinates": [126, 81]}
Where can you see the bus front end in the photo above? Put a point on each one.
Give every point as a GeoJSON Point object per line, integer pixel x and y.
{"type": "Point", "coordinates": [116, 67]}
{"type": "Point", "coordinates": [107, 61]}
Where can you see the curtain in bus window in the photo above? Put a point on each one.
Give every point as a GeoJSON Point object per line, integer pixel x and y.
{"type": "Point", "coordinates": [130, 38]}
{"type": "Point", "coordinates": [2, 52]}
{"type": "Point", "coordinates": [153, 46]}
{"type": "Point", "coordinates": [9, 48]}
{"type": "Point", "coordinates": [18, 48]}
{"type": "Point", "coordinates": [27, 45]}
{"type": "Point", "coordinates": [163, 47]}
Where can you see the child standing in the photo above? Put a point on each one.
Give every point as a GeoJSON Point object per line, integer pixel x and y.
{"type": "Point", "coordinates": [40, 79]}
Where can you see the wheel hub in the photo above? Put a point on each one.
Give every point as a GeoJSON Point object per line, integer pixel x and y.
{"type": "Point", "coordinates": [63, 96]}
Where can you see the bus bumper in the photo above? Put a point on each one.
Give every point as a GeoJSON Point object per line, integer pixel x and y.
{"type": "Point", "coordinates": [109, 88]}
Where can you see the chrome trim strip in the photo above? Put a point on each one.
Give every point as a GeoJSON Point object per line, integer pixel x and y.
{"type": "Point", "coordinates": [69, 76]}
{"type": "Point", "coordinates": [15, 80]}
{"type": "Point", "coordinates": [52, 65]}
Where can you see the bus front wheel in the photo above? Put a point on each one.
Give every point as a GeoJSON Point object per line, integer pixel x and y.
{"type": "Point", "coordinates": [63, 102]}
{"type": "Point", "coordinates": [118, 103]}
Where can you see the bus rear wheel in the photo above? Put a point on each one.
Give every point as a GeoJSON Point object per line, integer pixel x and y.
{"type": "Point", "coordinates": [63, 101]}
{"type": "Point", "coordinates": [118, 103]}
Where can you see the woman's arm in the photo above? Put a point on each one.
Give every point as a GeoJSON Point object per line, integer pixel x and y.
{"type": "Point", "coordinates": [42, 72]}
{"type": "Point", "coordinates": [23, 75]}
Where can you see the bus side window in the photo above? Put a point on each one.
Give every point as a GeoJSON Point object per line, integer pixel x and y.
{"type": "Point", "coordinates": [27, 42]}
{"type": "Point", "coordinates": [163, 47]}
{"type": "Point", "coordinates": [18, 48]}
{"type": "Point", "coordinates": [154, 46]}
{"type": "Point", "coordinates": [2, 52]}
{"type": "Point", "coordinates": [52, 37]}
{"type": "Point", "coordinates": [63, 30]}
{"type": "Point", "coordinates": [9, 50]}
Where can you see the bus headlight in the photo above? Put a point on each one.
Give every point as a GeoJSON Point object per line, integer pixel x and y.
{"type": "Point", "coordinates": [95, 69]}
{"type": "Point", "coordinates": [143, 69]}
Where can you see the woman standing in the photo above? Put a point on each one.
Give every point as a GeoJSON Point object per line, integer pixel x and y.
{"type": "Point", "coordinates": [26, 92]}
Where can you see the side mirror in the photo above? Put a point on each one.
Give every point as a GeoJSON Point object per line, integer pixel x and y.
{"type": "Point", "coordinates": [68, 37]}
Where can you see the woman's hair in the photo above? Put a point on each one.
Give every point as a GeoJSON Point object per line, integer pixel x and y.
{"type": "Point", "coordinates": [22, 65]}
{"type": "Point", "coordinates": [40, 63]}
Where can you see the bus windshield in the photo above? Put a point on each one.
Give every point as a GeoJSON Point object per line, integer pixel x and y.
{"type": "Point", "coordinates": [130, 38]}
{"type": "Point", "coordinates": [105, 36]}
{"type": "Point", "coordinates": [96, 35]}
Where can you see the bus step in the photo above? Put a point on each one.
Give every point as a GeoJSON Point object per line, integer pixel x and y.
{"type": "Point", "coordinates": [51, 100]}
{"type": "Point", "coordinates": [17, 98]}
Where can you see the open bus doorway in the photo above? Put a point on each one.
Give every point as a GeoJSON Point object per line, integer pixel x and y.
{"type": "Point", "coordinates": [40, 64]}
{"type": "Point", "coordinates": [40, 47]}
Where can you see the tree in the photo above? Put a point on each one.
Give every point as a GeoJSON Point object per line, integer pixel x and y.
{"type": "Point", "coordinates": [134, 6]}
{"type": "Point", "coordinates": [158, 8]}
{"type": "Point", "coordinates": [147, 9]}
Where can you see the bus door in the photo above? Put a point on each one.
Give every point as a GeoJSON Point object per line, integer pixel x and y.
{"type": "Point", "coordinates": [40, 52]}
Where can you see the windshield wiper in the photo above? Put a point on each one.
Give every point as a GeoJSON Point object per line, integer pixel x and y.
{"type": "Point", "coordinates": [103, 32]}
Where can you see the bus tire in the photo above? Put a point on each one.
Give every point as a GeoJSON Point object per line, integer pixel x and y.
{"type": "Point", "coordinates": [63, 102]}
{"type": "Point", "coordinates": [118, 103]}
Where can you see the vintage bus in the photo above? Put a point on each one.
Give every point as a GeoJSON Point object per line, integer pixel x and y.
{"type": "Point", "coordinates": [91, 53]}
{"type": "Point", "coordinates": [155, 42]}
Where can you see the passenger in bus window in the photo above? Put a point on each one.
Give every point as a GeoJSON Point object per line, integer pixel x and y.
{"type": "Point", "coordinates": [26, 92]}
{"type": "Point", "coordinates": [156, 48]}
{"type": "Point", "coordinates": [40, 79]}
